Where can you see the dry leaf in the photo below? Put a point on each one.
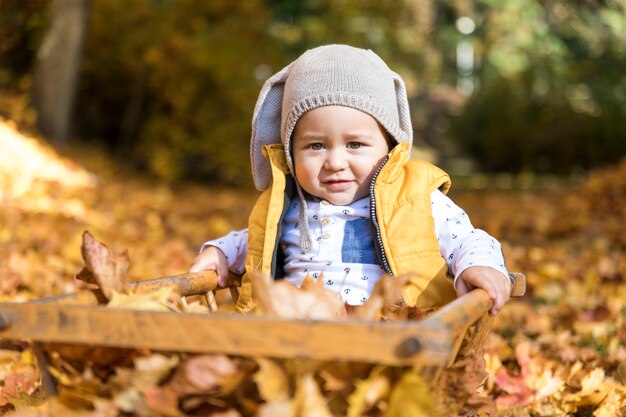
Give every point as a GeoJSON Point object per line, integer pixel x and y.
{"type": "Point", "coordinates": [105, 269]}
{"type": "Point", "coordinates": [203, 374]}
{"type": "Point", "coordinates": [271, 380]}
{"type": "Point", "coordinates": [162, 401]}
{"type": "Point", "coordinates": [276, 408]}
{"type": "Point", "coordinates": [21, 380]}
{"type": "Point", "coordinates": [533, 384]}
{"type": "Point", "coordinates": [308, 401]}
{"type": "Point", "coordinates": [368, 392]}
{"type": "Point", "coordinates": [284, 299]}
{"type": "Point", "coordinates": [410, 396]}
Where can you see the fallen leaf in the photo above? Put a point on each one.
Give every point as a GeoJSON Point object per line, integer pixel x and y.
{"type": "Point", "coordinates": [203, 374]}
{"type": "Point", "coordinates": [162, 402]}
{"type": "Point", "coordinates": [308, 401]}
{"type": "Point", "coordinates": [21, 381]}
{"type": "Point", "coordinates": [311, 301]}
{"type": "Point", "coordinates": [275, 408]}
{"type": "Point", "coordinates": [271, 380]}
{"type": "Point", "coordinates": [518, 393]}
{"type": "Point", "coordinates": [410, 396]}
{"type": "Point", "coordinates": [368, 392]}
{"type": "Point", "coordinates": [107, 270]}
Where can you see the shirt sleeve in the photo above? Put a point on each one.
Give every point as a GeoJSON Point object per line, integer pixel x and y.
{"type": "Point", "coordinates": [235, 248]}
{"type": "Point", "coordinates": [460, 243]}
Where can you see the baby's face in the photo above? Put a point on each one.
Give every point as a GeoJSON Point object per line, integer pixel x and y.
{"type": "Point", "coordinates": [336, 150]}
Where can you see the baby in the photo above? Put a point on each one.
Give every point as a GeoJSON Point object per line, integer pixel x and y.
{"type": "Point", "coordinates": [342, 201]}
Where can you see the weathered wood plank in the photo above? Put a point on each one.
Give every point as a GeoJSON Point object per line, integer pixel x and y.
{"type": "Point", "coordinates": [391, 343]}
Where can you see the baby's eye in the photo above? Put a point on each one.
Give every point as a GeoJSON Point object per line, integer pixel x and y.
{"type": "Point", "coordinates": [354, 145]}
{"type": "Point", "coordinates": [316, 146]}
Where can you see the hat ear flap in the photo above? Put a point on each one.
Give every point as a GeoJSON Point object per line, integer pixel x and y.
{"type": "Point", "coordinates": [266, 125]}
{"type": "Point", "coordinates": [404, 114]}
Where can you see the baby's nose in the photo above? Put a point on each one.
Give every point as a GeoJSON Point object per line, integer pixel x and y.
{"type": "Point", "coordinates": [335, 160]}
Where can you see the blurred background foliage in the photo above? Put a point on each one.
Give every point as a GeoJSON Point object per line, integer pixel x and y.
{"type": "Point", "coordinates": [499, 85]}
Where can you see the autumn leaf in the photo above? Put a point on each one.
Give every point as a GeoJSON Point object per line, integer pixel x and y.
{"type": "Point", "coordinates": [282, 408]}
{"type": "Point", "coordinates": [410, 396]}
{"type": "Point", "coordinates": [387, 293]}
{"type": "Point", "coordinates": [105, 269]}
{"type": "Point", "coordinates": [308, 401]}
{"type": "Point", "coordinates": [533, 384]}
{"type": "Point", "coordinates": [518, 393]}
{"type": "Point", "coordinates": [271, 380]}
{"type": "Point", "coordinates": [21, 381]}
{"type": "Point", "coordinates": [310, 301]}
{"type": "Point", "coordinates": [148, 371]}
{"type": "Point", "coordinates": [203, 374]}
{"type": "Point", "coordinates": [460, 388]}
{"type": "Point", "coordinates": [162, 401]}
{"type": "Point", "coordinates": [368, 392]}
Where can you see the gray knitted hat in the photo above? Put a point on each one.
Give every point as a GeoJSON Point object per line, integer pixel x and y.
{"type": "Point", "coordinates": [323, 76]}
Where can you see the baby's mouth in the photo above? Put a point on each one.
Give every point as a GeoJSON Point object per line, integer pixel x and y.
{"type": "Point", "coordinates": [337, 185]}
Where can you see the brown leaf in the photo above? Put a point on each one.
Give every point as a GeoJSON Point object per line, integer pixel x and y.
{"type": "Point", "coordinates": [203, 374]}
{"type": "Point", "coordinates": [107, 270]}
{"type": "Point", "coordinates": [21, 381]}
{"type": "Point", "coordinates": [162, 401]}
{"type": "Point", "coordinates": [311, 301]}
{"type": "Point", "coordinates": [458, 388]}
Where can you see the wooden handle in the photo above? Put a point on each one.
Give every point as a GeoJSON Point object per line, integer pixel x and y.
{"type": "Point", "coordinates": [189, 283]}
{"type": "Point", "coordinates": [518, 281]}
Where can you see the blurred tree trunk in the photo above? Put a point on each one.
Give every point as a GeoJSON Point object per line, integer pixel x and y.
{"type": "Point", "coordinates": [56, 71]}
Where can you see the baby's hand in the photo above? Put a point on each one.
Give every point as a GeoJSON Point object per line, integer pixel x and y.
{"type": "Point", "coordinates": [212, 259]}
{"type": "Point", "coordinates": [494, 282]}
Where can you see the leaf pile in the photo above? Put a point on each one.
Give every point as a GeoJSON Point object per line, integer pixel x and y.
{"type": "Point", "coordinates": [560, 351]}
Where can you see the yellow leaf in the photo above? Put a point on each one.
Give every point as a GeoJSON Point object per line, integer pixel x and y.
{"type": "Point", "coordinates": [309, 401]}
{"type": "Point", "coordinates": [271, 380]}
{"type": "Point", "coordinates": [612, 405]}
{"type": "Point", "coordinates": [592, 382]}
{"type": "Point", "coordinates": [368, 392]}
{"type": "Point", "coordinates": [282, 408]}
{"type": "Point", "coordinates": [151, 370]}
{"type": "Point", "coordinates": [593, 389]}
{"type": "Point", "coordinates": [410, 398]}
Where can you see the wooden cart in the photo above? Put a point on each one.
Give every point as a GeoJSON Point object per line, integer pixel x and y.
{"type": "Point", "coordinates": [429, 345]}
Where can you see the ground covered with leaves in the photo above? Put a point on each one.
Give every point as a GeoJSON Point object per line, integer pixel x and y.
{"type": "Point", "coordinates": [559, 351]}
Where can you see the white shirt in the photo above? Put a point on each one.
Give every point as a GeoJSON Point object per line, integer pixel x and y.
{"type": "Point", "coordinates": [348, 265]}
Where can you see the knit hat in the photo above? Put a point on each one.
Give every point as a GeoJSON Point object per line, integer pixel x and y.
{"type": "Point", "coordinates": [323, 76]}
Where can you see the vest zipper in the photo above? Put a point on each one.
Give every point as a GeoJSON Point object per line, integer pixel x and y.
{"type": "Point", "coordinates": [381, 248]}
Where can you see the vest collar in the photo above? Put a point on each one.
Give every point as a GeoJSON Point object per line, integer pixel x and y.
{"type": "Point", "coordinates": [395, 163]}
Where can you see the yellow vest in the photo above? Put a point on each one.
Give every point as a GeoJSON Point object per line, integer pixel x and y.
{"type": "Point", "coordinates": [403, 220]}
